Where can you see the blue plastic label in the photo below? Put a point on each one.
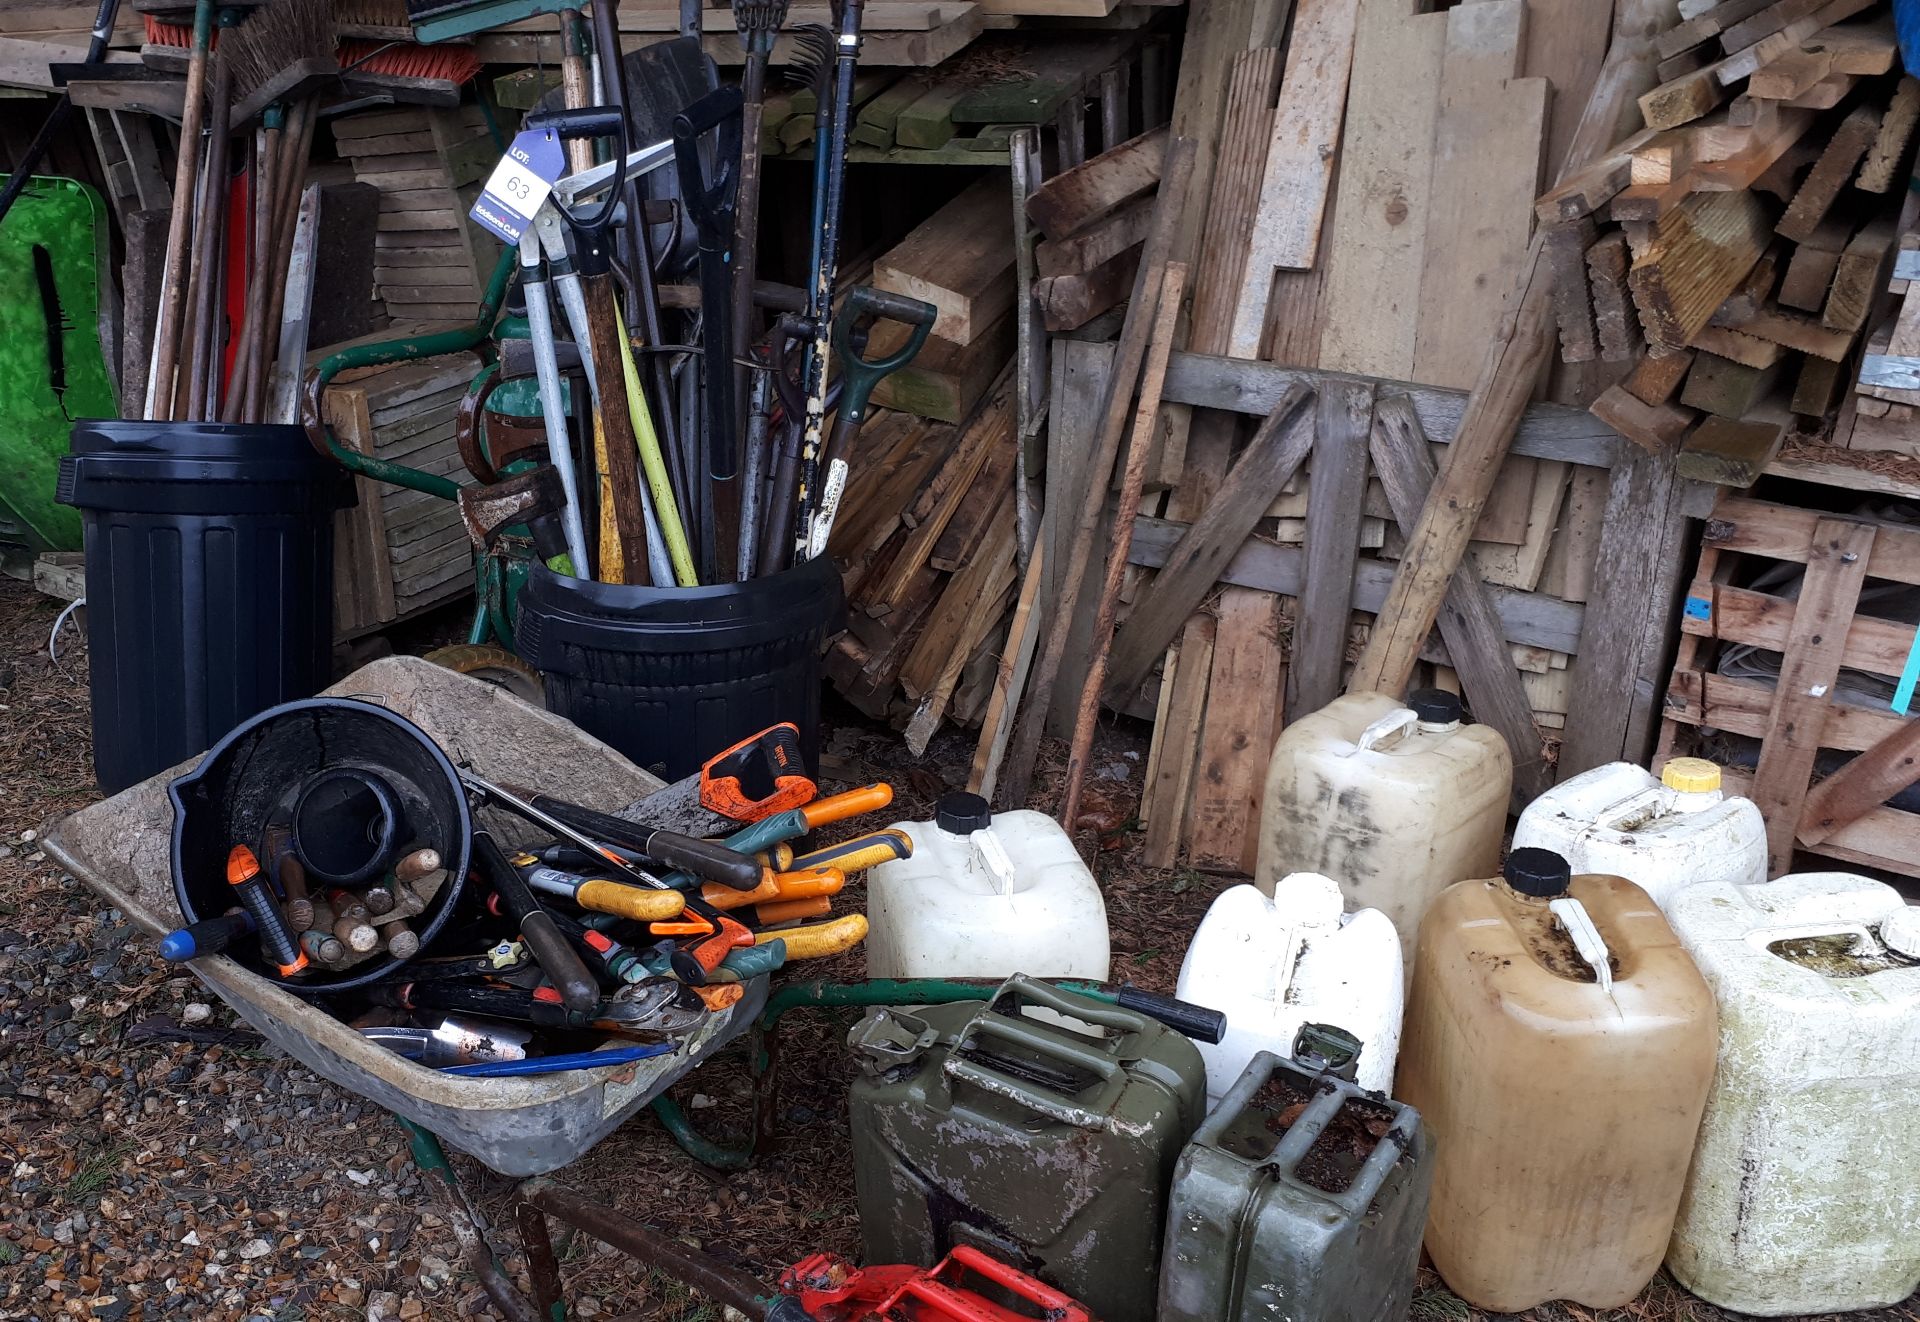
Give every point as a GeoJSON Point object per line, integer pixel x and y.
{"type": "Point", "coordinates": [1903, 693]}
{"type": "Point", "coordinates": [1699, 608]}
{"type": "Point", "coordinates": [518, 186]}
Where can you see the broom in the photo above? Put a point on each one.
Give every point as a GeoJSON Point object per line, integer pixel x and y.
{"type": "Point", "coordinates": [281, 36]}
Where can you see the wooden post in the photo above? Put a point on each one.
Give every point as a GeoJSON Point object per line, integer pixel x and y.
{"type": "Point", "coordinates": [1176, 173]}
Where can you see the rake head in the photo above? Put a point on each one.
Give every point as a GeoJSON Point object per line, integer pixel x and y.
{"type": "Point", "coordinates": [812, 58]}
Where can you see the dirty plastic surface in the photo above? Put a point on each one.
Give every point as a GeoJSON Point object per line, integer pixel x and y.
{"type": "Point", "coordinates": [1534, 1081]}
{"type": "Point", "coordinates": [1273, 963]}
{"type": "Point", "coordinates": [1392, 808]}
{"type": "Point", "coordinates": [1619, 819]}
{"type": "Point", "coordinates": [524, 1126]}
{"type": "Point", "coordinates": [1805, 1189]}
{"type": "Point", "coordinates": [1013, 898]}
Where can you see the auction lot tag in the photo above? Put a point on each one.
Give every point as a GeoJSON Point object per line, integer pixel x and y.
{"type": "Point", "coordinates": [519, 185]}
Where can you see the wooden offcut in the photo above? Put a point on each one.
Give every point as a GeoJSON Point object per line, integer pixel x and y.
{"type": "Point", "coordinates": [1732, 452]}
{"type": "Point", "coordinates": [1076, 198]}
{"type": "Point", "coordinates": [1859, 275]}
{"type": "Point", "coordinates": [1653, 427]}
{"type": "Point", "coordinates": [1732, 390]}
{"type": "Point", "coordinates": [1616, 325]}
{"type": "Point", "coordinates": [1686, 263]}
{"type": "Point", "coordinates": [960, 260]}
{"type": "Point", "coordinates": [1889, 150]}
{"type": "Point", "coordinates": [1810, 270]}
{"type": "Point", "coordinates": [1567, 246]}
{"type": "Point", "coordinates": [1830, 173]}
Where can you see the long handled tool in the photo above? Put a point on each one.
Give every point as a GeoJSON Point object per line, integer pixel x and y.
{"type": "Point", "coordinates": [203, 277]}
{"type": "Point", "coordinates": [546, 369]}
{"type": "Point", "coordinates": [861, 375]}
{"type": "Point", "coordinates": [830, 175]}
{"type": "Point", "coordinates": [710, 202]}
{"type": "Point", "coordinates": [56, 120]}
{"type": "Point", "coordinates": [186, 175]}
{"type": "Point", "coordinates": [758, 23]}
{"type": "Point", "coordinates": [593, 260]}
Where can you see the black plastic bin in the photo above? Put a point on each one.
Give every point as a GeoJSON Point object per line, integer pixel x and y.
{"type": "Point", "coordinates": [209, 581]}
{"type": "Point", "coordinates": [670, 676]}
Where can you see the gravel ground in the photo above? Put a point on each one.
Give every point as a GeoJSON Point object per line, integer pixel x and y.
{"type": "Point", "coordinates": [162, 1161]}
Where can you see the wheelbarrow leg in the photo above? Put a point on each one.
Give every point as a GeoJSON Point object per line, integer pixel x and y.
{"type": "Point", "coordinates": [431, 1158]}
{"type": "Point", "coordinates": [542, 1266]}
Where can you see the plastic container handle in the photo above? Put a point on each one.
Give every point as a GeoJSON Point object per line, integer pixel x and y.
{"type": "Point", "coordinates": [1587, 941]}
{"type": "Point", "coordinates": [1183, 1017]}
{"type": "Point", "coordinates": [1397, 721]}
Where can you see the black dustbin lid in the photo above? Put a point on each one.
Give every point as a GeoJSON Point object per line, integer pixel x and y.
{"type": "Point", "coordinates": [197, 468]}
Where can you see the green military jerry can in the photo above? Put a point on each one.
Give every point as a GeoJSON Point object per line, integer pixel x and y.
{"type": "Point", "coordinates": [1302, 1197]}
{"type": "Point", "coordinates": [1047, 1142]}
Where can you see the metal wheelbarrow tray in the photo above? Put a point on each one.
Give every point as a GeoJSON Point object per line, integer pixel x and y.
{"type": "Point", "coordinates": [518, 1127]}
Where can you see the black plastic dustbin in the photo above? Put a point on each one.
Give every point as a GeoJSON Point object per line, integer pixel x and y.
{"type": "Point", "coordinates": [209, 554]}
{"type": "Point", "coordinates": [671, 676]}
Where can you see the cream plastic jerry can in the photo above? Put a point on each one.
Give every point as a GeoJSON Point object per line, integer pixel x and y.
{"type": "Point", "coordinates": [1804, 1194]}
{"type": "Point", "coordinates": [1394, 802]}
{"type": "Point", "coordinates": [1559, 1044]}
{"type": "Point", "coordinates": [1663, 835]}
{"type": "Point", "coordinates": [985, 895]}
{"type": "Point", "coordinates": [1273, 963]}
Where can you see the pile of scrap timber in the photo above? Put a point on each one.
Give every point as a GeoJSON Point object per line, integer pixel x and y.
{"type": "Point", "coordinates": [926, 545]}
{"type": "Point", "coordinates": [1883, 412]}
{"type": "Point", "coordinates": [1735, 248]}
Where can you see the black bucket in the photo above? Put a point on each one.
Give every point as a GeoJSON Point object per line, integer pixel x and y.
{"type": "Point", "coordinates": [671, 676]}
{"type": "Point", "coordinates": [254, 778]}
{"type": "Point", "coordinates": [209, 554]}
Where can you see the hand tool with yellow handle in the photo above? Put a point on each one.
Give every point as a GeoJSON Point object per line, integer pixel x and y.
{"type": "Point", "coordinates": [860, 853]}
{"type": "Point", "coordinates": [820, 940]}
{"type": "Point", "coordinates": [779, 858]}
{"type": "Point", "coordinates": [790, 911]}
{"type": "Point", "coordinates": [797, 885]}
{"type": "Point", "coordinates": [795, 822]}
{"type": "Point", "coordinates": [601, 895]}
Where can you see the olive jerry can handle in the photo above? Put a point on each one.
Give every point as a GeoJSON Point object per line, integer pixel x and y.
{"type": "Point", "coordinates": [994, 1022]}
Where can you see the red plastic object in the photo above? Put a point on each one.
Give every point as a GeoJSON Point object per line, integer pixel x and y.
{"type": "Point", "coordinates": [832, 1289]}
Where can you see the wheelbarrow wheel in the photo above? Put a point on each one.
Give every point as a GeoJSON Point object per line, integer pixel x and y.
{"type": "Point", "coordinates": [493, 665]}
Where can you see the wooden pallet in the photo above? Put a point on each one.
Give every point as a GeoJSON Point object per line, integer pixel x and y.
{"type": "Point", "coordinates": [398, 553]}
{"type": "Point", "coordinates": [430, 262]}
{"type": "Point", "coordinates": [1819, 629]}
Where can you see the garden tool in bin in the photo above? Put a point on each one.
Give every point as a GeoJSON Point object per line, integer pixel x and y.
{"type": "Point", "coordinates": [829, 189]}
{"type": "Point", "coordinates": [709, 201]}
{"type": "Point", "coordinates": [861, 376]}
{"type": "Point", "coordinates": [593, 261]}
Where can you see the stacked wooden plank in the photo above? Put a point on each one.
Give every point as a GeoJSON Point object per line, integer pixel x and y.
{"type": "Point", "coordinates": [1883, 412]}
{"type": "Point", "coordinates": [926, 544]}
{"type": "Point", "coordinates": [960, 260]}
{"type": "Point", "coordinates": [1734, 249]}
{"type": "Point", "coordinates": [398, 552]}
{"type": "Point", "coordinates": [895, 33]}
{"type": "Point", "coordinates": [1361, 198]}
{"type": "Point", "coordinates": [1794, 686]}
{"type": "Point", "coordinates": [431, 263]}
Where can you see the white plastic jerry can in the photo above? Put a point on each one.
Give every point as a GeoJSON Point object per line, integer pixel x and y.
{"type": "Point", "coordinates": [985, 896]}
{"type": "Point", "coordinates": [1395, 803]}
{"type": "Point", "coordinates": [1804, 1194]}
{"type": "Point", "coordinates": [1272, 964]}
{"type": "Point", "coordinates": [1662, 835]}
